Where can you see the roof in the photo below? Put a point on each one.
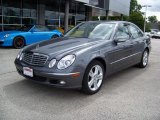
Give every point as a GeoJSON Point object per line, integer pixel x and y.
{"type": "Point", "coordinates": [116, 22]}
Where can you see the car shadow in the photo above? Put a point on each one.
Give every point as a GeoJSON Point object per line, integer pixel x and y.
{"type": "Point", "coordinates": [6, 47]}
{"type": "Point", "coordinates": [32, 96]}
{"type": "Point", "coordinates": [122, 78]}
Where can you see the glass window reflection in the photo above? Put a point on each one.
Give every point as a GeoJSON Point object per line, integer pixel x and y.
{"type": "Point", "coordinates": [11, 11]}
{"type": "Point", "coordinates": [11, 20]}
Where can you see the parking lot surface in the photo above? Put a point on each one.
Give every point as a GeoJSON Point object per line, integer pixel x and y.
{"type": "Point", "coordinates": [133, 94]}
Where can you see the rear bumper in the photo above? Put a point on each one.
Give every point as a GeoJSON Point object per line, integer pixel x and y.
{"type": "Point", "coordinates": [72, 80]}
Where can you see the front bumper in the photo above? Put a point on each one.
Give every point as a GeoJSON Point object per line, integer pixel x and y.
{"type": "Point", "coordinates": [6, 42]}
{"type": "Point", "coordinates": [1, 42]}
{"type": "Point", "coordinates": [72, 79]}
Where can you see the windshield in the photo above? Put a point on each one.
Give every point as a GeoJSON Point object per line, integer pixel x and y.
{"type": "Point", "coordinates": [92, 30]}
{"type": "Point", "coordinates": [41, 28]}
{"type": "Point", "coordinates": [25, 28]}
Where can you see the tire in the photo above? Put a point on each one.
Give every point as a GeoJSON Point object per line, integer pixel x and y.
{"type": "Point", "coordinates": [18, 42]}
{"type": "Point", "coordinates": [144, 59]}
{"type": "Point", "coordinates": [54, 36]}
{"type": "Point", "coordinates": [92, 79]}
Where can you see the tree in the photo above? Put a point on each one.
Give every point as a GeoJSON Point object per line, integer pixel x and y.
{"type": "Point", "coordinates": [137, 18]}
{"type": "Point", "coordinates": [136, 15]}
{"type": "Point", "coordinates": [134, 6]}
{"type": "Point", "coordinates": [152, 19]}
{"type": "Point", "coordinates": [148, 27]}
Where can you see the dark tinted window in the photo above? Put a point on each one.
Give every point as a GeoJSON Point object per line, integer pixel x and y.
{"type": "Point", "coordinates": [122, 32]}
{"type": "Point", "coordinates": [136, 33]}
{"type": "Point", "coordinates": [25, 28]}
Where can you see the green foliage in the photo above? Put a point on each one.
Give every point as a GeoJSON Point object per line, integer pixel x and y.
{"type": "Point", "coordinates": [134, 6]}
{"type": "Point", "coordinates": [152, 19]}
{"type": "Point", "coordinates": [137, 18]}
{"type": "Point", "coordinates": [148, 27]}
{"type": "Point", "coordinates": [114, 18]}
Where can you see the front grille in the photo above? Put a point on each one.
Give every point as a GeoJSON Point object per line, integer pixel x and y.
{"type": "Point", "coordinates": [35, 58]}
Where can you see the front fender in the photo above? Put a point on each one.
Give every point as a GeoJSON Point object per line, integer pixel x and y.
{"type": "Point", "coordinates": [8, 41]}
{"type": "Point", "coordinates": [83, 60]}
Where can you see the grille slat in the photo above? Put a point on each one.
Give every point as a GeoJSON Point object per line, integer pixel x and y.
{"type": "Point", "coordinates": [35, 59]}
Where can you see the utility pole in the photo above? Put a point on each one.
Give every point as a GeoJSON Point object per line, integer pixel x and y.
{"type": "Point", "coordinates": [66, 16]}
{"type": "Point", "coordinates": [145, 15]}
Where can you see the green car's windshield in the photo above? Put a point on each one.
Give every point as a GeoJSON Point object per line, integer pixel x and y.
{"type": "Point", "coordinates": [92, 30]}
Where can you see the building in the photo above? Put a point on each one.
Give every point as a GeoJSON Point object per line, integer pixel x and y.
{"type": "Point", "coordinates": [57, 13]}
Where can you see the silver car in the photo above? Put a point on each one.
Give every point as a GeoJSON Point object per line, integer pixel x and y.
{"type": "Point", "coordinates": [85, 56]}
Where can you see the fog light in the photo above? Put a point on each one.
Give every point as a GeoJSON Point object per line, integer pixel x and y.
{"type": "Point", "coordinates": [52, 63]}
{"type": "Point", "coordinates": [62, 82]}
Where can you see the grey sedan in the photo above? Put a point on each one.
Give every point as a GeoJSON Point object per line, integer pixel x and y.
{"type": "Point", "coordinates": [85, 56]}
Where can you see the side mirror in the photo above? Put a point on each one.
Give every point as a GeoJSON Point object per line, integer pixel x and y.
{"type": "Point", "coordinates": [121, 39]}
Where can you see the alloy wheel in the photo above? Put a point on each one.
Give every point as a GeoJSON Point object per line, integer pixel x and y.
{"type": "Point", "coordinates": [95, 77]}
{"type": "Point", "coordinates": [145, 58]}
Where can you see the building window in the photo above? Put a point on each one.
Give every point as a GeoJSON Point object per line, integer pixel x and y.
{"type": "Point", "coordinates": [11, 11]}
{"type": "Point", "coordinates": [15, 13]}
{"type": "Point", "coordinates": [29, 11]}
{"type": "Point", "coordinates": [11, 20]}
{"type": "Point", "coordinates": [52, 14]}
{"type": "Point", "coordinates": [11, 14]}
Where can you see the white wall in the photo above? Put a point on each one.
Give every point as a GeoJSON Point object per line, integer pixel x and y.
{"type": "Point", "coordinates": [120, 6]}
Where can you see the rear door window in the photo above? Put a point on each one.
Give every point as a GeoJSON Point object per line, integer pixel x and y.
{"type": "Point", "coordinates": [135, 32]}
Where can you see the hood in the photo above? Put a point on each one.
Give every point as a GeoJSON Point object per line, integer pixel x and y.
{"type": "Point", "coordinates": [9, 32]}
{"type": "Point", "coordinates": [61, 46]}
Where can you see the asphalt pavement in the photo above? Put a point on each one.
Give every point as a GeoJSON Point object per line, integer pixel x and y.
{"type": "Point", "coordinates": [132, 94]}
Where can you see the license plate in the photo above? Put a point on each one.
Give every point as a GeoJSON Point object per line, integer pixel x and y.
{"type": "Point", "coordinates": [28, 71]}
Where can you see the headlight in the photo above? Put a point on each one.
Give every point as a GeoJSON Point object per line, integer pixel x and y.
{"type": "Point", "coordinates": [66, 61]}
{"type": "Point", "coordinates": [21, 57]}
{"type": "Point", "coordinates": [19, 54]}
{"type": "Point", "coordinates": [52, 63]}
{"type": "Point", "coordinates": [6, 35]}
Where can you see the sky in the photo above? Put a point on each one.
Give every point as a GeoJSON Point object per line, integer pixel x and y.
{"type": "Point", "coordinates": [154, 9]}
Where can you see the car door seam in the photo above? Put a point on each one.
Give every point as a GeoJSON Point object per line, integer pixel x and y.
{"type": "Point", "coordinates": [124, 58]}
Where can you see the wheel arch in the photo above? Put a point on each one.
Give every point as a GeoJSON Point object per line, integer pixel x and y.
{"type": "Point", "coordinates": [55, 34]}
{"type": "Point", "coordinates": [84, 84]}
{"type": "Point", "coordinates": [101, 60]}
{"type": "Point", "coordinates": [147, 49]}
{"type": "Point", "coordinates": [21, 37]}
